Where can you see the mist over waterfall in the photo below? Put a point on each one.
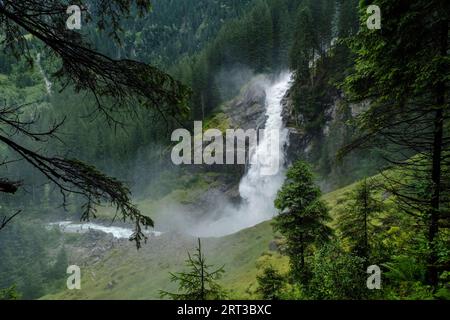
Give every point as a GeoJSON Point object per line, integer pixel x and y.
{"type": "Point", "coordinates": [258, 187]}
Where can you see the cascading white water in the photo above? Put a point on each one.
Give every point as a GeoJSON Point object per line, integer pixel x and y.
{"type": "Point", "coordinates": [257, 188]}
{"type": "Point", "coordinates": [117, 232]}
{"type": "Point", "coordinates": [48, 84]}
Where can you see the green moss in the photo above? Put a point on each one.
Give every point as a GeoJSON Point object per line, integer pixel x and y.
{"type": "Point", "coordinates": [218, 121]}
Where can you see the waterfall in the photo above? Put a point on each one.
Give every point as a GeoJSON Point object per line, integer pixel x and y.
{"type": "Point", "coordinates": [257, 188]}
{"type": "Point", "coordinates": [48, 84]}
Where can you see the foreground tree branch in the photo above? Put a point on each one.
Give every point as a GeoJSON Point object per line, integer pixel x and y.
{"type": "Point", "coordinates": [74, 176]}
{"type": "Point", "coordinates": [5, 220]}
{"type": "Point", "coordinates": [116, 86]}
{"type": "Point", "coordinates": [8, 186]}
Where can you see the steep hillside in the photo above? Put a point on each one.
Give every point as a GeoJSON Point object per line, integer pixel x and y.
{"type": "Point", "coordinates": [124, 273]}
{"type": "Point", "coordinates": [172, 29]}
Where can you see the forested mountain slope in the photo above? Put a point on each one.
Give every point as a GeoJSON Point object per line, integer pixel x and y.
{"type": "Point", "coordinates": [367, 170]}
{"type": "Point", "coordinates": [173, 29]}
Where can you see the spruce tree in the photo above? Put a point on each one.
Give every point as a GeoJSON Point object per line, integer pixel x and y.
{"type": "Point", "coordinates": [260, 37]}
{"type": "Point", "coordinates": [303, 49]}
{"type": "Point", "coordinates": [302, 219]}
{"type": "Point", "coordinates": [199, 282]}
{"type": "Point", "coordinates": [270, 284]}
{"type": "Point", "coordinates": [347, 18]}
{"type": "Point", "coordinates": [354, 219]}
{"type": "Point", "coordinates": [282, 33]}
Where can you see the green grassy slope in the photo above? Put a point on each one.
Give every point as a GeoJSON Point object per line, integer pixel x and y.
{"type": "Point", "coordinates": [125, 273]}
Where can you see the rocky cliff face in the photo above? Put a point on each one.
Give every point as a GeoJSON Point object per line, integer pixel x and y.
{"type": "Point", "coordinates": [299, 140]}
{"type": "Point", "coordinates": [247, 111]}
{"type": "Point", "coordinates": [319, 147]}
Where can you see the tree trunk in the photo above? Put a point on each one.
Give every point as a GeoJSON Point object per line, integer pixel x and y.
{"type": "Point", "coordinates": [433, 227]}
{"type": "Point", "coordinates": [302, 260]}
{"type": "Point", "coordinates": [302, 254]}
{"type": "Point", "coordinates": [432, 274]}
{"type": "Point", "coordinates": [203, 106]}
{"type": "Point", "coordinates": [202, 265]}
{"type": "Point", "coordinates": [366, 211]}
{"type": "Point", "coordinates": [8, 187]}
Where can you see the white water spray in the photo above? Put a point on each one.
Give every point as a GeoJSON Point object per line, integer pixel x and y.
{"type": "Point", "coordinates": [257, 189]}
{"type": "Point", "coordinates": [48, 84]}
{"type": "Point", "coordinates": [80, 228]}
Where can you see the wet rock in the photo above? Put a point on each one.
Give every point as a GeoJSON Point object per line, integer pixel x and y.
{"type": "Point", "coordinates": [299, 141]}
{"type": "Point", "coordinates": [248, 110]}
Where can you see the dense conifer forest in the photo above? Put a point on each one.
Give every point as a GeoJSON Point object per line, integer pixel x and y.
{"type": "Point", "coordinates": [86, 136]}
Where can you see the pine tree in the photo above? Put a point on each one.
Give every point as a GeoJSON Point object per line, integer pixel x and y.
{"type": "Point", "coordinates": [282, 33]}
{"type": "Point", "coordinates": [354, 219]}
{"type": "Point", "coordinates": [337, 274]}
{"type": "Point", "coordinates": [347, 18]}
{"type": "Point", "coordinates": [260, 37]}
{"type": "Point", "coordinates": [199, 283]}
{"type": "Point", "coordinates": [303, 49]}
{"type": "Point", "coordinates": [58, 270]}
{"type": "Point", "coordinates": [302, 219]}
{"type": "Point", "coordinates": [200, 87]}
{"type": "Point", "coordinates": [270, 284]}
{"type": "Point", "coordinates": [322, 12]}
{"type": "Point", "coordinates": [347, 26]}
